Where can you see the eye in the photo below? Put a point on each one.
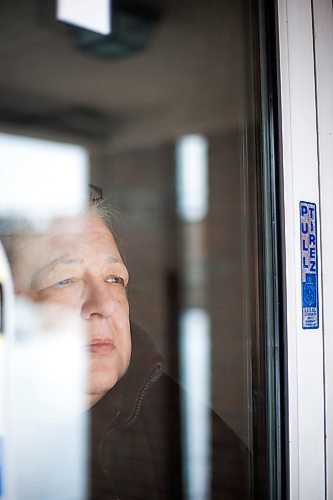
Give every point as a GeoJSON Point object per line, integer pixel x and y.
{"type": "Point", "coordinates": [64, 282]}
{"type": "Point", "coordinates": [56, 285]}
{"type": "Point", "coordinates": [117, 280]}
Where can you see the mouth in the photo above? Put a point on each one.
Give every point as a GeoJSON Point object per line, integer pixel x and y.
{"type": "Point", "coordinates": [101, 346]}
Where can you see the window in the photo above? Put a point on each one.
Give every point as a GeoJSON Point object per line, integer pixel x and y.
{"type": "Point", "coordinates": [163, 280]}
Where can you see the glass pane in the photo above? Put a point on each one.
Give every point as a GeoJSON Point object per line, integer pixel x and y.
{"type": "Point", "coordinates": [155, 264]}
{"type": "Point", "coordinates": [43, 361]}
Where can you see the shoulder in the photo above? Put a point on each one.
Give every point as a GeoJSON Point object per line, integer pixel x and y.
{"type": "Point", "coordinates": [229, 459]}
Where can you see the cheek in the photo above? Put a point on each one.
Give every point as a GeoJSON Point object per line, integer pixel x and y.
{"type": "Point", "coordinates": [121, 324]}
{"type": "Point", "coordinates": [123, 309]}
{"type": "Point", "coordinates": [125, 355]}
{"type": "Point", "coordinates": [127, 343]}
{"type": "Point", "coordinates": [71, 297]}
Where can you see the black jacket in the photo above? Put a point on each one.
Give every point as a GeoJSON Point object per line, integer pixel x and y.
{"type": "Point", "coordinates": [135, 450]}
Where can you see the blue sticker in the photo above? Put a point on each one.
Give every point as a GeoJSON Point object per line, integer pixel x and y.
{"type": "Point", "coordinates": [309, 265]}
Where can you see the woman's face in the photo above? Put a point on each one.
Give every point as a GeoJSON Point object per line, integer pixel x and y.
{"type": "Point", "coordinates": [77, 265]}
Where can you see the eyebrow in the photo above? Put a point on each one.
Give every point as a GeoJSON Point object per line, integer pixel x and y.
{"type": "Point", "coordinates": [52, 263]}
{"type": "Point", "coordinates": [116, 260]}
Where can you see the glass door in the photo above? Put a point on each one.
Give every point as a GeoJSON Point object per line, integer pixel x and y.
{"type": "Point", "coordinates": [138, 200]}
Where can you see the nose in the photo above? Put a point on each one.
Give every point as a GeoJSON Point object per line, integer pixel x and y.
{"type": "Point", "coordinates": [98, 300]}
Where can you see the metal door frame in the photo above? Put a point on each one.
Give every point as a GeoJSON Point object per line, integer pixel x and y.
{"type": "Point", "coordinates": [305, 31]}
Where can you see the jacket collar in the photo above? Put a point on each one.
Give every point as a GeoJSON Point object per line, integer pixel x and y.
{"type": "Point", "coordinates": [121, 405]}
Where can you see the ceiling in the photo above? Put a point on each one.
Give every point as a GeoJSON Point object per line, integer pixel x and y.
{"type": "Point", "coordinates": [189, 76]}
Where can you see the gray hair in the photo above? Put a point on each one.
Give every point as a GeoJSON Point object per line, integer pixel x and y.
{"type": "Point", "coordinates": [13, 231]}
{"type": "Point", "coordinates": [102, 210]}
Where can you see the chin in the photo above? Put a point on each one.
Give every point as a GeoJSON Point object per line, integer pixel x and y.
{"type": "Point", "coordinates": [104, 373]}
{"type": "Point", "coordinates": [104, 376]}
{"type": "Point", "coordinates": [102, 381]}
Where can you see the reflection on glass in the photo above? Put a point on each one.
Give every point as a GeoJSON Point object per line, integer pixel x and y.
{"type": "Point", "coordinates": [41, 179]}
{"type": "Point", "coordinates": [187, 255]}
{"type": "Point", "coordinates": [94, 15]}
{"type": "Point", "coordinates": [195, 378]}
{"type": "Point", "coordinates": [6, 336]}
{"type": "Point", "coordinates": [46, 404]}
{"type": "Point", "coordinates": [194, 355]}
{"type": "Point", "coordinates": [192, 177]}
{"type": "Point", "coordinates": [42, 182]}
